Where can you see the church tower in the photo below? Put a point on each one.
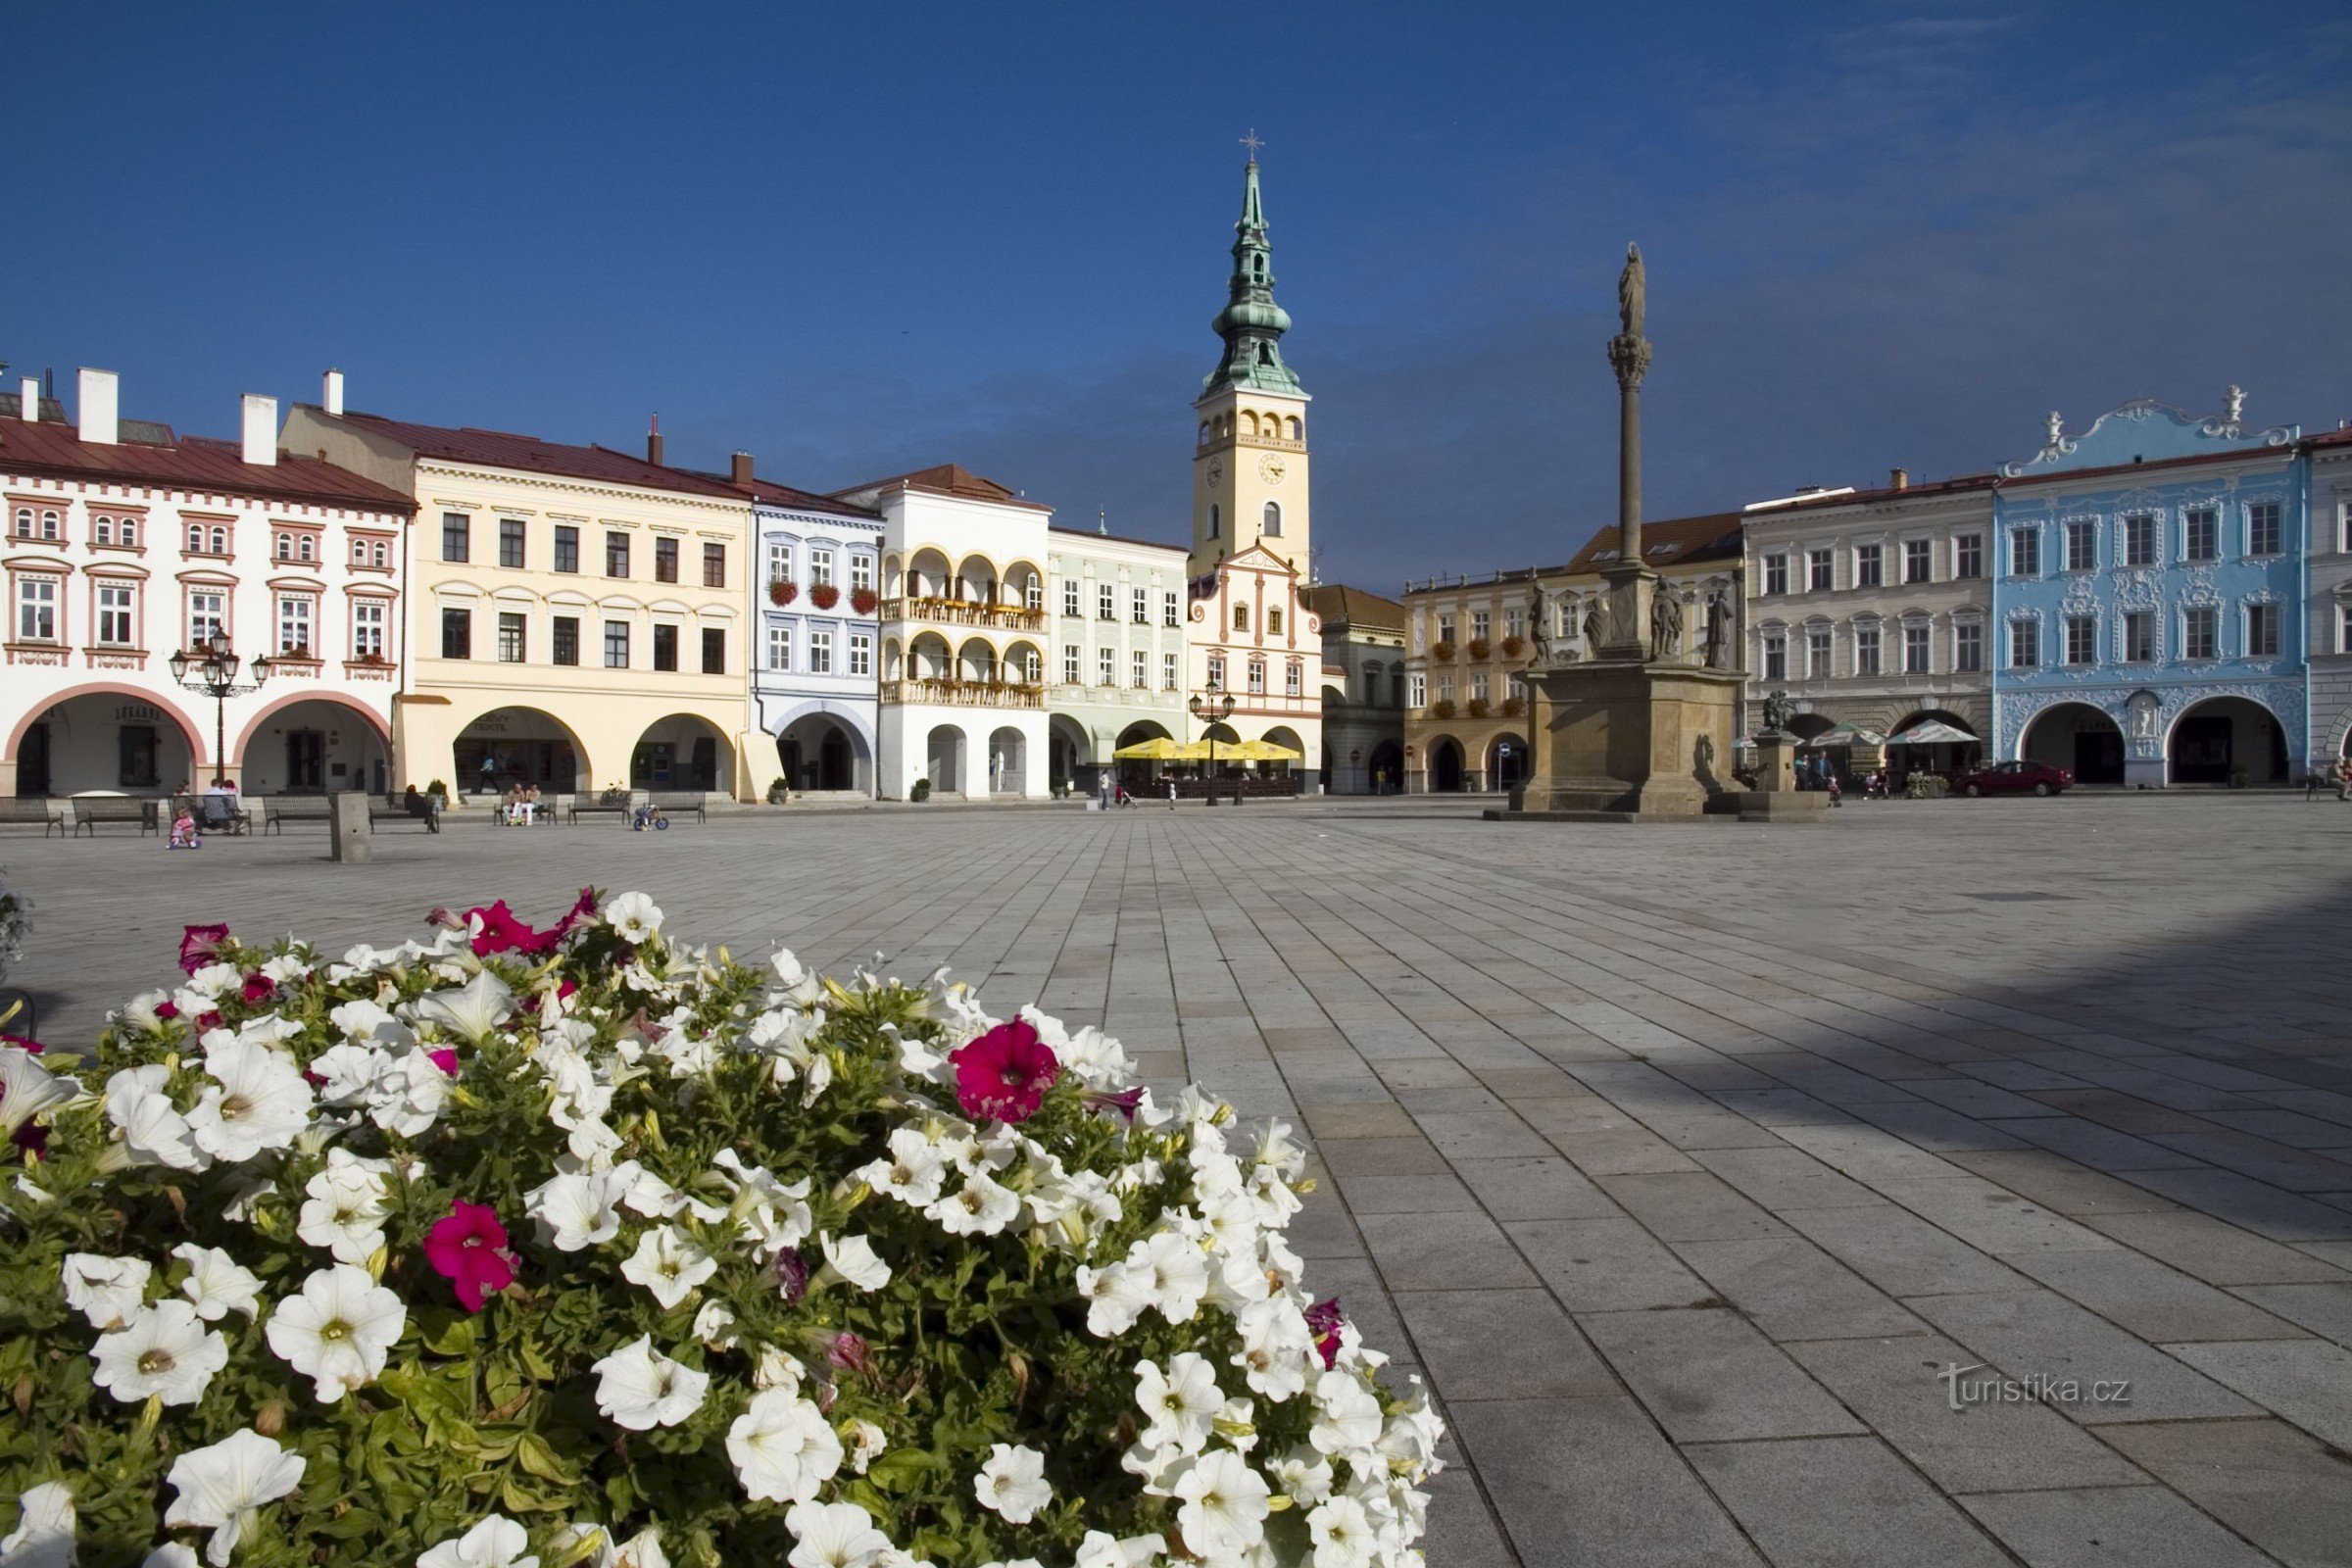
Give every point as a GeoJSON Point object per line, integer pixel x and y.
{"type": "Point", "coordinates": [1250, 453]}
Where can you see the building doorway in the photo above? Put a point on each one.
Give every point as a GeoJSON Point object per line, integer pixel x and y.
{"type": "Point", "coordinates": [2077, 737]}
{"type": "Point", "coordinates": [305, 762]}
{"type": "Point", "coordinates": [1446, 768]}
{"type": "Point", "coordinates": [32, 761]}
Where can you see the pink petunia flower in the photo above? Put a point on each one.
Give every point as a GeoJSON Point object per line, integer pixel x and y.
{"type": "Point", "coordinates": [207, 1021]}
{"type": "Point", "coordinates": [167, 1009]}
{"type": "Point", "coordinates": [792, 1275]}
{"type": "Point", "coordinates": [200, 945]}
{"type": "Point", "coordinates": [30, 1048]}
{"type": "Point", "coordinates": [470, 1250]}
{"type": "Point", "coordinates": [1005, 1073]}
{"type": "Point", "coordinates": [1324, 1322]}
{"type": "Point", "coordinates": [848, 1352]}
{"type": "Point", "coordinates": [258, 988]}
{"type": "Point", "coordinates": [445, 1059]}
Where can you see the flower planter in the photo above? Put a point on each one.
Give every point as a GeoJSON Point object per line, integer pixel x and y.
{"type": "Point", "coordinates": [781, 593]}
{"type": "Point", "coordinates": [1443, 653]}
{"type": "Point", "coordinates": [824, 596]}
{"type": "Point", "coordinates": [1481, 647]}
{"type": "Point", "coordinates": [863, 601]}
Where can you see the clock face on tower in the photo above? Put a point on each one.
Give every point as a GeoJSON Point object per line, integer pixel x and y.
{"type": "Point", "coordinates": [1216, 471]}
{"type": "Point", "coordinates": [1271, 468]}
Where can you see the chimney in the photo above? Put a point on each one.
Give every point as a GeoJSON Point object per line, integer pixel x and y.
{"type": "Point", "coordinates": [653, 442]}
{"type": "Point", "coordinates": [743, 471]}
{"type": "Point", "coordinates": [28, 401]}
{"type": "Point", "coordinates": [260, 429]}
{"type": "Point", "coordinates": [98, 408]}
{"type": "Point", "coordinates": [330, 395]}
{"type": "Point", "coordinates": [1898, 478]}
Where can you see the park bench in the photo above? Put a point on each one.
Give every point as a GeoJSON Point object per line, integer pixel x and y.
{"type": "Point", "coordinates": [278, 811]}
{"type": "Point", "coordinates": [33, 809]}
{"type": "Point", "coordinates": [91, 809]}
{"type": "Point", "coordinates": [393, 813]}
{"type": "Point", "coordinates": [611, 803]}
{"type": "Point", "coordinates": [203, 808]}
{"type": "Point", "coordinates": [677, 805]}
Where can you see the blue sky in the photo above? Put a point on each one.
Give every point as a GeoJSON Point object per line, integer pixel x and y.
{"type": "Point", "coordinates": [855, 240]}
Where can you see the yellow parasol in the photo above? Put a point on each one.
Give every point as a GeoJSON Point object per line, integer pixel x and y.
{"type": "Point", "coordinates": [1259, 751]}
{"type": "Point", "coordinates": [1160, 749]}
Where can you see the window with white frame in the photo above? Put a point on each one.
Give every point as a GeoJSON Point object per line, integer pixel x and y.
{"type": "Point", "coordinates": [1033, 666]}
{"type": "Point", "coordinates": [208, 618]}
{"type": "Point", "coordinates": [1968, 555]}
{"type": "Point", "coordinates": [2343, 628]}
{"type": "Point", "coordinates": [2081, 639]}
{"type": "Point", "coordinates": [1870, 565]}
{"type": "Point", "coordinates": [1033, 593]}
{"type": "Point", "coordinates": [2200, 632]}
{"type": "Point", "coordinates": [2200, 534]}
{"type": "Point", "coordinates": [2139, 539]}
{"type": "Point", "coordinates": [1967, 648]}
{"type": "Point", "coordinates": [2262, 631]}
{"type": "Point", "coordinates": [2025, 552]}
{"type": "Point", "coordinates": [1482, 687]}
{"type": "Point", "coordinates": [1069, 664]}
{"type": "Point", "coordinates": [1444, 628]}
{"type": "Point", "coordinates": [1168, 671]}
{"type": "Point", "coordinates": [2139, 637]}
{"type": "Point", "coordinates": [1139, 607]}
{"type": "Point", "coordinates": [1257, 677]}
{"type": "Point", "coordinates": [1918, 648]}
{"type": "Point", "coordinates": [118, 615]}
{"type": "Point", "coordinates": [1817, 653]}
{"type": "Point", "coordinates": [1069, 596]}
{"type": "Point", "coordinates": [102, 529]}
{"type": "Point", "coordinates": [1107, 666]}
{"type": "Point", "coordinates": [2343, 525]}
{"type": "Point", "coordinates": [1416, 683]}
{"type": "Point", "coordinates": [1140, 661]}
{"type": "Point", "coordinates": [2025, 644]}
{"type": "Point", "coordinates": [366, 628]}
{"type": "Point", "coordinates": [862, 653]}
{"type": "Point", "coordinates": [21, 523]}
{"type": "Point", "coordinates": [1776, 572]}
{"type": "Point", "coordinates": [821, 567]}
{"type": "Point", "coordinates": [1918, 559]}
{"type": "Point", "coordinates": [779, 561]}
{"type": "Point", "coordinates": [820, 651]}
{"type": "Point", "coordinates": [1482, 625]}
{"type": "Point", "coordinates": [1167, 609]}
{"type": "Point", "coordinates": [1106, 601]}
{"type": "Point", "coordinates": [2262, 528]}
{"type": "Point", "coordinates": [1294, 678]}
{"type": "Point", "coordinates": [1866, 647]}
{"type": "Point", "coordinates": [1821, 571]}
{"type": "Point", "coordinates": [1216, 672]}
{"type": "Point", "coordinates": [1514, 622]}
{"type": "Point", "coordinates": [36, 609]}
{"type": "Point", "coordinates": [779, 647]}
{"type": "Point", "coordinates": [294, 613]}
{"type": "Point", "coordinates": [1445, 688]}
{"type": "Point", "coordinates": [862, 572]}
{"type": "Point", "coordinates": [1775, 656]}
{"type": "Point", "coordinates": [2081, 545]}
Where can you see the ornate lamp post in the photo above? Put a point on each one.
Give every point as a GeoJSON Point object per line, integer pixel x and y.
{"type": "Point", "coordinates": [213, 671]}
{"type": "Point", "coordinates": [1213, 713]}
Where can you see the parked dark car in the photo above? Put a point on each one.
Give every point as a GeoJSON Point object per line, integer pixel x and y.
{"type": "Point", "coordinates": [2013, 778]}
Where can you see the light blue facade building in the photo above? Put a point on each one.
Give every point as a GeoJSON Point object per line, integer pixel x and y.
{"type": "Point", "coordinates": [2148, 600]}
{"type": "Point", "coordinates": [813, 656]}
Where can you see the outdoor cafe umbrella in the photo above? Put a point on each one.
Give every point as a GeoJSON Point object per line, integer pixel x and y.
{"type": "Point", "coordinates": [1160, 749]}
{"type": "Point", "coordinates": [1845, 735]}
{"type": "Point", "coordinates": [1932, 732]}
{"type": "Point", "coordinates": [1259, 751]}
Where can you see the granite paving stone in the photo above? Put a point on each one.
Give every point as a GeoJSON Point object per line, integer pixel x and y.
{"type": "Point", "coordinates": [2116, 1527]}
{"type": "Point", "coordinates": [2038, 1333]}
{"type": "Point", "coordinates": [2308, 1381]}
{"type": "Point", "coordinates": [2277, 1487]}
{"type": "Point", "coordinates": [1841, 1502]}
{"type": "Point", "coordinates": [1792, 1290]}
{"type": "Point", "coordinates": [1708, 1376]}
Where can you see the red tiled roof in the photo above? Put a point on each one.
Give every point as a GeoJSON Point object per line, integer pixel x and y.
{"type": "Point", "coordinates": [527, 453]}
{"type": "Point", "coordinates": [1116, 538]}
{"type": "Point", "coordinates": [2333, 438]}
{"type": "Point", "coordinates": [1341, 606]}
{"type": "Point", "coordinates": [784, 495]}
{"type": "Point", "coordinates": [1714, 537]}
{"type": "Point", "coordinates": [190, 462]}
{"type": "Point", "coordinates": [947, 479]}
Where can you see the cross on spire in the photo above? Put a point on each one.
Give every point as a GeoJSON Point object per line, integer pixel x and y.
{"type": "Point", "coordinates": [1251, 142]}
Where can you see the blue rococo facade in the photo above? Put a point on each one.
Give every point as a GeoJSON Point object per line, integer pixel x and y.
{"type": "Point", "coordinates": [815, 667]}
{"type": "Point", "coordinates": [2148, 600]}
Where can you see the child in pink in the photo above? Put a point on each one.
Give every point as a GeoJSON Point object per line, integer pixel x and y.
{"type": "Point", "coordinates": [183, 832]}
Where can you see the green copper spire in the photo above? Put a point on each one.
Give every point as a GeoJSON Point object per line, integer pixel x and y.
{"type": "Point", "coordinates": [1252, 323]}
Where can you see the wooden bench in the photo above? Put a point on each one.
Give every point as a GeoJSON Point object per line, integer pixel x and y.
{"type": "Point", "coordinates": [677, 805]}
{"type": "Point", "coordinates": [278, 811]}
{"type": "Point", "coordinates": [91, 809]}
{"type": "Point", "coordinates": [33, 809]}
{"type": "Point", "coordinates": [613, 803]}
{"type": "Point", "coordinates": [239, 821]}
{"type": "Point", "coordinates": [393, 813]}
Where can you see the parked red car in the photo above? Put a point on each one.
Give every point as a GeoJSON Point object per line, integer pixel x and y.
{"type": "Point", "coordinates": [2013, 778]}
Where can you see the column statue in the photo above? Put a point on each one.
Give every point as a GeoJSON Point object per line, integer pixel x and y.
{"type": "Point", "coordinates": [1538, 623]}
{"type": "Point", "coordinates": [1665, 625]}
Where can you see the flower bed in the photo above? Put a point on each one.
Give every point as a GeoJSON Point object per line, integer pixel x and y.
{"type": "Point", "coordinates": [581, 1246]}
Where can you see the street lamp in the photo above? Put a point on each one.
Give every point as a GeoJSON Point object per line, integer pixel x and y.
{"type": "Point", "coordinates": [1213, 712]}
{"type": "Point", "coordinates": [213, 671]}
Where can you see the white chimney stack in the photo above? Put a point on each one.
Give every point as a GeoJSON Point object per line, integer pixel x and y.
{"type": "Point", "coordinates": [28, 399]}
{"type": "Point", "coordinates": [330, 397]}
{"type": "Point", "coordinates": [260, 428]}
{"type": "Point", "coordinates": [100, 419]}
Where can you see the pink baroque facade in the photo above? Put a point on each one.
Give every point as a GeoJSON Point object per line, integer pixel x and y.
{"type": "Point", "coordinates": [127, 544]}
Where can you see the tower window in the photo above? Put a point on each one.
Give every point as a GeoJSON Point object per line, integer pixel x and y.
{"type": "Point", "coordinates": [1214, 519]}
{"type": "Point", "coordinates": [1273, 520]}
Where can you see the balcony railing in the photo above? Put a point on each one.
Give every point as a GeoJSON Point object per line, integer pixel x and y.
{"type": "Point", "coordinates": [964, 612]}
{"type": "Point", "coordinates": [965, 693]}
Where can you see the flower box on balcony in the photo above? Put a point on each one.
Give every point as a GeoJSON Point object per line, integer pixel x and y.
{"type": "Point", "coordinates": [824, 596]}
{"type": "Point", "coordinates": [1513, 646]}
{"type": "Point", "coordinates": [1479, 707]}
{"type": "Point", "coordinates": [1442, 707]}
{"type": "Point", "coordinates": [782, 592]}
{"type": "Point", "coordinates": [1480, 648]}
{"type": "Point", "coordinates": [1443, 653]}
{"type": "Point", "coordinates": [863, 601]}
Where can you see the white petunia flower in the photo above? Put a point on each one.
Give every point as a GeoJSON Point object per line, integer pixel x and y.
{"type": "Point", "coordinates": [221, 1485]}
{"type": "Point", "coordinates": [1181, 1404]}
{"type": "Point", "coordinates": [409, 1092]}
{"type": "Point", "coordinates": [866, 1442]}
{"type": "Point", "coordinates": [834, 1535]}
{"type": "Point", "coordinates": [497, 1541]}
{"type": "Point", "coordinates": [577, 1208]}
{"type": "Point", "coordinates": [170, 1554]}
{"type": "Point", "coordinates": [338, 1331]}
{"type": "Point", "coordinates": [138, 1102]}
{"type": "Point", "coordinates": [1343, 1535]}
{"type": "Point", "coordinates": [217, 1284]}
{"type": "Point", "coordinates": [470, 1011]}
{"type": "Point", "coordinates": [641, 1389]}
{"type": "Point", "coordinates": [1277, 1347]}
{"type": "Point", "coordinates": [45, 1527]}
{"type": "Point", "coordinates": [852, 1259]}
{"type": "Point", "coordinates": [668, 1263]}
{"type": "Point", "coordinates": [783, 1447]}
{"type": "Point", "coordinates": [1347, 1416]}
{"type": "Point", "coordinates": [641, 1550]}
{"type": "Point", "coordinates": [1174, 1271]}
{"type": "Point", "coordinates": [258, 1100]}
{"type": "Point", "coordinates": [29, 1090]}
{"type": "Point", "coordinates": [633, 917]}
{"type": "Point", "coordinates": [981, 1206]}
{"type": "Point", "coordinates": [345, 1213]}
{"type": "Point", "coordinates": [1303, 1474]}
{"type": "Point", "coordinates": [1100, 1549]}
{"type": "Point", "coordinates": [108, 1290]}
{"type": "Point", "coordinates": [163, 1350]}
{"type": "Point", "coordinates": [1013, 1482]}
{"type": "Point", "coordinates": [912, 1172]}
{"type": "Point", "coordinates": [1115, 1296]}
{"type": "Point", "coordinates": [347, 1071]}
{"type": "Point", "coordinates": [1224, 1504]}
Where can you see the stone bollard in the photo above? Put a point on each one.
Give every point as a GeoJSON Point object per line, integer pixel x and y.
{"type": "Point", "coordinates": [349, 830]}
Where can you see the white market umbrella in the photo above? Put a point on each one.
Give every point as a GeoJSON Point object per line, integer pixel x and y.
{"type": "Point", "coordinates": [1845, 735]}
{"type": "Point", "coordinates": [1932, 732]}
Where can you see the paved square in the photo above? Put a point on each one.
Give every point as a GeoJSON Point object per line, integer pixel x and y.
{"type": "Point", "coordinates": [1683, 1160]}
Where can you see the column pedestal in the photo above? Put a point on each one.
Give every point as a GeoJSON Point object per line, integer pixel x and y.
{"type": "Point", "coordinates": [1619, 740]}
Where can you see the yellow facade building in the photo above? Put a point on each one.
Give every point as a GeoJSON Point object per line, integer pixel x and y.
{"type": "Point", "coordinates": [578, 615]}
